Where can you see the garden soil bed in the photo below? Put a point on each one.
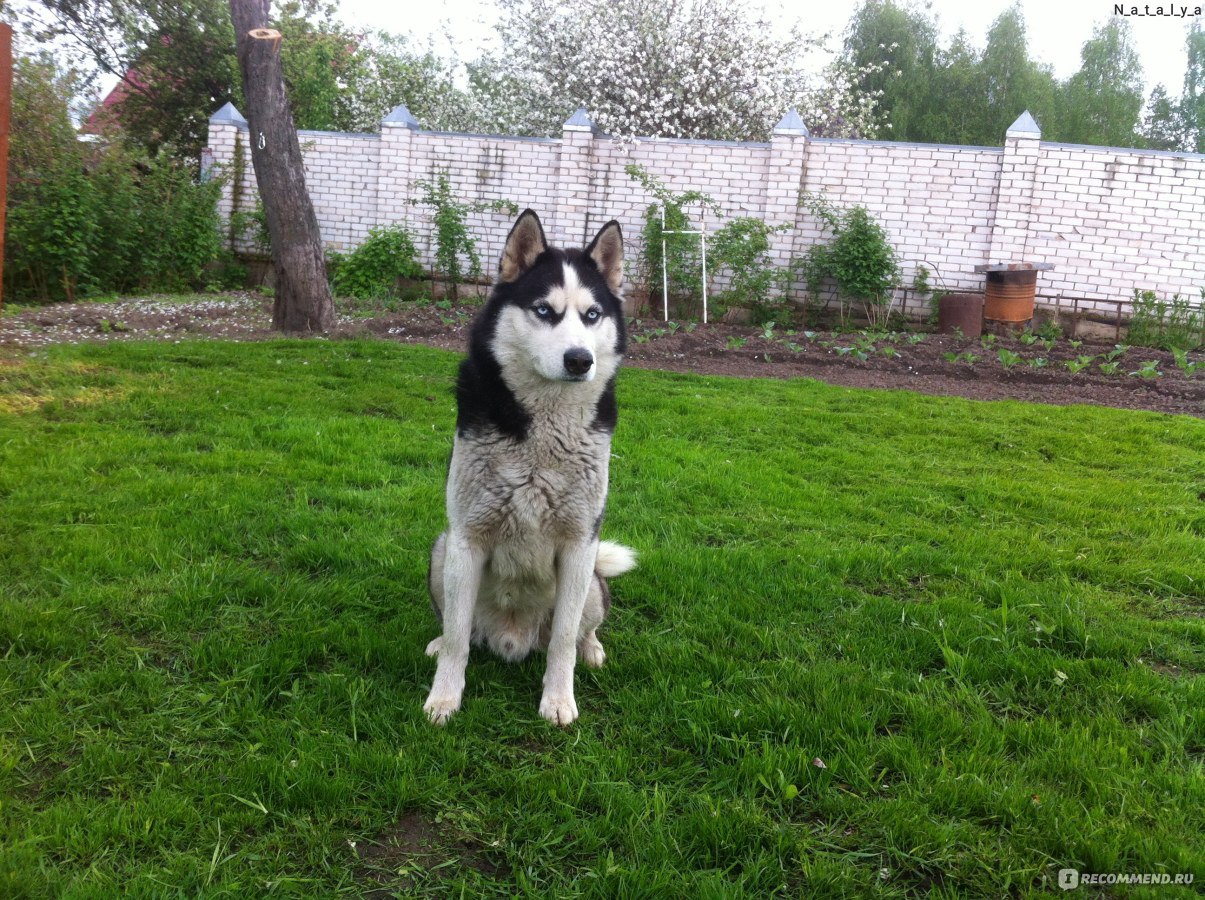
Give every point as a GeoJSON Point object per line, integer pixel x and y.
{"type": "Point", "coordinates": [918, 362]}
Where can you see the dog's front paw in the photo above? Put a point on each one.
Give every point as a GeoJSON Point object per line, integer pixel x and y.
{"type": "Point", "coordinates": [435, 646]}
{"type": "Point", "coordinates": [440, 709]}
{"type": "Point", "coordinates": [559, 710]}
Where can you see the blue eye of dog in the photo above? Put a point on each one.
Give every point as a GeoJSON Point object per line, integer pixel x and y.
{"type": "Point", "coordinates": [593, 314]}
{"type": "Point", "coordinates": [543, 310]}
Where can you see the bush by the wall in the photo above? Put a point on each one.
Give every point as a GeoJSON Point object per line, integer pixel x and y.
{"type": "Point", "coordinates": [373, 269]}
{"type": "Point", "coordinates": [683, 272]}
{"type": "Point", "coordinates": [455, 249]}
{"type": "Point", "coordinates": [743, 247]}
{"type": "Point", "coordinates": [1176, 324]}
{"type": "Point", "coordinates": [112, 222]}
{"type": "Point", "coordinates": [859, 258]}
{"type": "Point", "coordinates": [51, 235]}
{"type": "Point", "coordinates": [178, 231]}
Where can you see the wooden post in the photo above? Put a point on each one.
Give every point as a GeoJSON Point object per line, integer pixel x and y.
{"type": "Point", "coordinates": [303, 298]}
{"type": "Point", "coordinates": [6, 102]}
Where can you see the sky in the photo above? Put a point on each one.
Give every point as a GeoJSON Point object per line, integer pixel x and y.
{"type": "Point", "coordinates": [1057, 29]}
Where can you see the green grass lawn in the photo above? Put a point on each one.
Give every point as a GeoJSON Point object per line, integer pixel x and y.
{"type": "Point", "coordinates": [878, 644]}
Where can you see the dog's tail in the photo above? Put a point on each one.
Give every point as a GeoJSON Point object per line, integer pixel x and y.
{"type": "Point", "coordinates": [614, 559]}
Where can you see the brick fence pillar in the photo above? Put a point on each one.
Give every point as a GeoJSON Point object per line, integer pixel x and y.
{"type": "Point", "coordinates": [396, 176]}
{"type": "Point", "coordinates": [225, 126]}
{"type": "Point", "coordinates": [784, 177]}
{"type": "Point", "coordinates": [1014, 207]}
{"type": "Point", "coordinates": [571, 224]}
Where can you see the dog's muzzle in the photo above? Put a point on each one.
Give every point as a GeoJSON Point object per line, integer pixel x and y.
{"type": "Point", "coordinates": [578, 362]}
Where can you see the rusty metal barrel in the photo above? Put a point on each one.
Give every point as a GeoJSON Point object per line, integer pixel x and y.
{"type": "Point", "coordinates": [1010, 294]}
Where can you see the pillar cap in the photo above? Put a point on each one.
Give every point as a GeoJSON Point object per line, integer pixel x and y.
{"type": "Point", "coordinates": [399, 115]}
{"type": "Point", "coordinates": [228, 113]}
{"type": "Point", "coordinates": [791, 125]}
{"type": "Point", "coordinates": [1025, 126]}
{"type": "Point", "coordinates": [580, 121]}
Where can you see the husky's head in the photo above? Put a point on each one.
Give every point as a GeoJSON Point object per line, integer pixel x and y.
{"type": "Point", "coordinates": [557, 317]}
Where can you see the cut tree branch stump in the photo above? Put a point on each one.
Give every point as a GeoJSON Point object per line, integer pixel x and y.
{"type": "Point", "coordinates": [303, 298]}
{"type": "Point", "coordinates": [266, 34]}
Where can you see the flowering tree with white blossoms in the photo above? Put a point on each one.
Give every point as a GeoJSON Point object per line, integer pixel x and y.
{"type": "Point", "coordinates": [834, 105]}
{"type": "Point", "coordinates": [669, 68]}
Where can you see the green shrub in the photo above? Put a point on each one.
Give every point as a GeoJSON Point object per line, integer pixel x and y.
{"type": "Point", "coordinates": [743, 246]}
{"type": "Point", "coordinates": [179, 230]}
{"type": "Point", "coordinates": [455, 249]}
{"type": "Point", "coordinates": [116, 222]}
{"type": "Point", "coordinates": [248, 231]}
{"type": "Point", "coordinates": [859, 258]}
{"type": "Point", "coordinates": [86, 220]}
{"type": "Point", "coordinates": [1174, 324]}
{"type": "Point", "coordinates": [372, 270]}
{"type": "Point", "coordinates": [51, 233]}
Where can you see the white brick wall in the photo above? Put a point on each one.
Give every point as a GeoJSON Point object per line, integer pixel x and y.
{"type": "Point", "coordinates": [1109, 220]}
{"type": "Point", "coordinates": [937, 203]}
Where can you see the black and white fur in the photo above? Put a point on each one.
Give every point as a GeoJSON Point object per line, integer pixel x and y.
{"type": "Point", "coordinates": [521, 566]}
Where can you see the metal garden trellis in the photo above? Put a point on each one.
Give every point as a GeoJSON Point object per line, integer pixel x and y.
{"type": "Point", "coordinates": [702, 233]}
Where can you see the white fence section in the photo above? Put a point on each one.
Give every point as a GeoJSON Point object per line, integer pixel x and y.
{"type": "Point", "coordinates": [1110, 220]}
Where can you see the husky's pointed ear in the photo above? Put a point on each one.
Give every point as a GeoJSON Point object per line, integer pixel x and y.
{"type": "Point", "coordinates": [524, 244]}
{"type": "Point", "coordinates": [607, 252]}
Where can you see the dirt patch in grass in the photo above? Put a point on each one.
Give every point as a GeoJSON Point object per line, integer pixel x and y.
{"type": "Point", "coordinates": [1167, 669]}
{"type": "Point", "coordinates": [1004, 369]}
{"type": "Point", "coordinates": [415, 851]}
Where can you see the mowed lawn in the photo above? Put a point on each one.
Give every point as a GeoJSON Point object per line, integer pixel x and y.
{"type": "Point", "coordinates": [878, 644]}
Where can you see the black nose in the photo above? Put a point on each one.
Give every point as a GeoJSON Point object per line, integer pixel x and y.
{"type": "Point", "coordinates": [578, 361]}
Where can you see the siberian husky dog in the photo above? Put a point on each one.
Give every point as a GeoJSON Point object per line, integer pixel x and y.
{"type": "Point", "coordinates": [521, 566]}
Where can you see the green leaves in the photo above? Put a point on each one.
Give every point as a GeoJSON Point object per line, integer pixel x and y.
{"type": "Point", "coordinates": [683, 252]}
{"type": "Point", "coordinates": [1008, 358]}
{"type": "Point", "coordinates": [859, 258]}
{"type": "Point", "coordinates": [743, 246]}
{"type": "Point", "coordinates": [110, 221]}
{"type": "Point", "coordinates": [1177, 323]}
{"type": "Point", "coordinates": [1102, 102]}
{"type": "Point", "coordinates": [1077, 365]}
{"type": "Point", "coordinates": [372, 270]}
{"type": "Point", "coordinates": [453, 242]}
{"type": "Point", "coordinates": [1149, 369]}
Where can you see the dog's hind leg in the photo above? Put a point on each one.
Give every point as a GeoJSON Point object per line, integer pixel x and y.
{"type": "Point", "coordinates": [590, 651]}
{"type": "Point", "coordinates": [613, 559]}
{"type": "Point", "coordinates": [589, 647]}
{"type": "Point", "coordinates": [598, 602]}
{"type": "Point", "coordinates": [462, 570]}
{"type": "Point", "coordinates": [435, 586]}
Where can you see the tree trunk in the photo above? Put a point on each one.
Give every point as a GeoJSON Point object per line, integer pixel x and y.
{"type": "Point", "coordinates": [303, 297]}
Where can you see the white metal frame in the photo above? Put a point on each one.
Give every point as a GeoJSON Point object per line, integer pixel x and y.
{"type": "Point", "coordinates": [702, 233]}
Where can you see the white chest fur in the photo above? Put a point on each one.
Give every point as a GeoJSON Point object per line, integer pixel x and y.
{"type": "Point", "coordinates": [547, 490]}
